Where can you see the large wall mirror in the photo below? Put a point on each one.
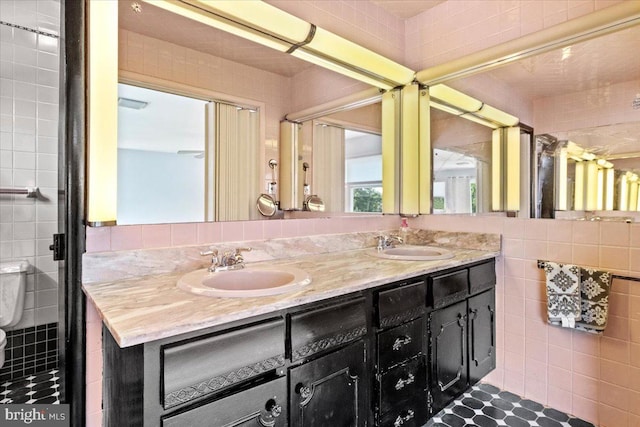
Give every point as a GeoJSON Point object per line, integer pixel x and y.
{"type": "Point", "coordinates": [583, 101]}
{"type": "Point", "coordinates": [174, 73]}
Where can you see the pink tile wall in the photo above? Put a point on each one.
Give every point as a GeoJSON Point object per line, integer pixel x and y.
{"type": "Point", "coordinates": [94, 367]}
{"type": "Point", "coordinates": [589, 108]}
{"type": "Point", "coordinates": [593, 377]}
{"type": "Point", "coordinates": [431, 39]}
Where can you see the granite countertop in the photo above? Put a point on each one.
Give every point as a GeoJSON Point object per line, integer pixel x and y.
{"type": "Point", "coordinates": [143, 309]}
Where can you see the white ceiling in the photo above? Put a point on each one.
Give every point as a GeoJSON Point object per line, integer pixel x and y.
{"type": "Point", "coordinates": [406, 8]}
{"type": "Point", "coordinates": [168, 123]}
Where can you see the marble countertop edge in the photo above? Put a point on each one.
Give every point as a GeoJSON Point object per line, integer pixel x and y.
{"type": "Point", "coordinates": [153, 309]}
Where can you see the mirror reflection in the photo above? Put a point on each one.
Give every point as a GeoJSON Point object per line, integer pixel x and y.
{"type": "Point", "coordinates": [585, 99]}
{"type": "Point", "coordinates": [461, 164]}
{"type": "Point", "coordinates": [164, 51]}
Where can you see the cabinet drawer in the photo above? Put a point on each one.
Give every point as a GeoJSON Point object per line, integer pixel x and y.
{"type": "Point", "coordinates": [399, 344]}
{"type": "Point", "coordinates": [448, 288]}
{"type": "Point", "coordinates": [328, 327]}
{"type": "Point", "coordinates": [203, 366]}
{"type": "Point", "coordinates": [482, 277]}
{"type": "Point", "coordinates": [262, 405]}
{"type": "Point", "coordinates": [408, 413]}
{"type": "Point", "coordinates": [398, 305]}
{"type": "Point", "coordinates": [401, 383]}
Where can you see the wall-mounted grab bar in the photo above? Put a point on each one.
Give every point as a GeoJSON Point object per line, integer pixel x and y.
{"type": "Point", "coordinates": [542, 263]}
{"type": "Point", "coordinates": [31, 192]}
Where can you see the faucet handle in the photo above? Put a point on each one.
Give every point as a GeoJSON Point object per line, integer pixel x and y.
{"type": "Point", "coordinates": [212, 251]}
{"type": "Point", "coordinates": [238, 256]}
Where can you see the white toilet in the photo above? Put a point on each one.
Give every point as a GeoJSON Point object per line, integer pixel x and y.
{"type": "Point", "coordinates": [13, 284]}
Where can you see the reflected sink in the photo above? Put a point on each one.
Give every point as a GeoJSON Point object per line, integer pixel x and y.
{"type": "Point", "coordinates": [248, 282]}
{"type": "Point", "coordinates": [414, 253]}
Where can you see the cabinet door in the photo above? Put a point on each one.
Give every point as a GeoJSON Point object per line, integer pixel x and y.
{"type": "Point", "coordinates": [448, 354]}
{"type": "Point", "coordinates": [331, 390]}
{"type": "Point", "coordinates": [263, 405]}
{"type": "Point", "coordinates": [482, 333]}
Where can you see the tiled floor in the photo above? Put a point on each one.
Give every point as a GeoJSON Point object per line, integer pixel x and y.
{"type": "Point", "coordinates": [39, 388]}
{"type": "Point", "coordinates": [484, 405]}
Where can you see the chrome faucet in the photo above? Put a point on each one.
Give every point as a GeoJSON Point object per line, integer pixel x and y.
{"type": "Point", "coordinates": [228, 261]}
{"type": "Point", "coordinates": [386, 242]}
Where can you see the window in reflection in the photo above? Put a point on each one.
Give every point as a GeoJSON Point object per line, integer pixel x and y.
{"type": "Point", "coordinates": [161, 139]}
{"type": "Point", "coordinates": [363, 171]}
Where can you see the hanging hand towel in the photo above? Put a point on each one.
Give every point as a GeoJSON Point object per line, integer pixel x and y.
{"type": "Point", "coordinates": [563, 294]}
{"type": "Point", "coordinates": [594, 298]}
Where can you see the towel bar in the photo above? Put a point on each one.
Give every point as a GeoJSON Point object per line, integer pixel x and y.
{"type": "Point", "coordinates": [31, 192]}
{"type": "Point", "coordinates": [541, 264]}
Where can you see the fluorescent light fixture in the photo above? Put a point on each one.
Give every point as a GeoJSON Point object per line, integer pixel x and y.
{"type": "Point", "coordinates": [289, 170]}
{"type": "Point", "coordinates": [633, 195]}
{"type": "Point", "coordinates": [496, 170]}
{"type": "Point", "coordinates": [263, 23]}
{"type": "Point", "coordinates": [505, 169]}
{"type": "Point", "coordinates": [561, 167]}
{"type": "Point", "coordinates": [605, 164]}
{"type": "Point", "coordinates": [600, 193]}
{"type": "Point", "coordinates": [102, 93]}
{"type": "Point", "coordinates": [455, 112]}
{"type": "Point", "coordinates": [410, 152]}
{"type": "Point", "coordinates": [609, 195]}
{"type": "Point", "coordinates": [512, 182]}
{"type": "Point", "coordinates": [588, 156]}
{"type": "Point", "coordinates": [623, 194]}
{"type": "Point", "coordinates": [463, 105]}
{"type": "Point", "coordinates": [391, 152]}
{"type": "Point", "coordinates": [578, 196]}
{"type": "Point", "coordinates": [454, 98]}
{"type": "Point", "coordinates": [426, 174]}
{"type": "Point", "coordinates": [592, 186]}
{"type": "Point", "coordinates": [134, 104]}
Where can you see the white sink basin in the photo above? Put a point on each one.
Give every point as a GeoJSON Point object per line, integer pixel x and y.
{"type": "Point", "coordinates": [414, 253]}
{"type": "Point", "coordinates": [248, 282]}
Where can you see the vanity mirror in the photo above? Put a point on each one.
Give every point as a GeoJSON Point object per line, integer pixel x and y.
{"type": "Point", "coordinates": [169, 54]}
{"type": "Point", "coordinates": [583, 95]}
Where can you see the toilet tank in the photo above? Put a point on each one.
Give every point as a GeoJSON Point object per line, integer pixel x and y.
{"type": "Point", "coordinates": [13, 285]}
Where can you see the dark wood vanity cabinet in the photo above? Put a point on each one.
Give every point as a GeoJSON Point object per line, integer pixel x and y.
{"type": "Point", "coordinates": [461, 332]}
{"type": "Point", "coordinates": [391, 356]}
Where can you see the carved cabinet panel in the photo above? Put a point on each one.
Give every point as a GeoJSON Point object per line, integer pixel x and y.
{"type": "Point", "coordinates": [330, 390]}
{"type": "Point", "coordinates": [482, 335]}
{"type": "Point", "coordinates": [448, 354]}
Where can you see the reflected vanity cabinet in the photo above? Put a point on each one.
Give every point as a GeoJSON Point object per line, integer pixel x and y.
{"type": "Point", "coordinates": [362, 359]}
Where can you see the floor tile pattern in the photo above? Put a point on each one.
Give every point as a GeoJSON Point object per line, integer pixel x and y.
{"type": "Point", "coordinates": [39, 388]}
{"type": "Point", "coordinates": [484, 405]}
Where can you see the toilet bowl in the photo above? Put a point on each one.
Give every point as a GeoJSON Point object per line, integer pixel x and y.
{"type": "Point", "coordinates": [13, 284]}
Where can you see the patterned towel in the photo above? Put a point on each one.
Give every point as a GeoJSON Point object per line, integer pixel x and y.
{"type": "Point", "coordinates": [594, 297]}
{"type": "Point", "coordinates": [563, 294]}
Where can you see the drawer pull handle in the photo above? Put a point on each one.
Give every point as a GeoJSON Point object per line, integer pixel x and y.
{"type": "Point", "coordinates": [273, 411]}
{"type": "Point", "coordinates": [401, 420]}
{"type": "Point", "coordinates": [400, 341]}
{"type": "Point", "coordinates": [402, 383]}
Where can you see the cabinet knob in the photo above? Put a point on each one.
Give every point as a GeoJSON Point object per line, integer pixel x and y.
{"type": "Point", "coordinates": [404, 382]}
{"type": "Point", "coordinates": [403, 419]}
{"type": "Point", "coordinates": [304, 391]}
{"type": "Point", "coordinates": [400, 341]}
{"type": "Point", "coordinates": [273, 411]}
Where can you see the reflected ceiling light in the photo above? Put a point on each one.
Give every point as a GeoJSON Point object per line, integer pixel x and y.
{"type": "Point", "coordinates": [566, 53]}
{"type": "Point", "coordinates": [623, 194]}
{"type": "Point", "coordinates": [578, 201]}
{"type": "Point", "coordinates": [600, 191]}
{"type": "Point", "coordinates": [134, 104]}
{"type": "Point", "coordinates": [591, 202]}
{"type": "Point", "coordinates": [470, 108]}
{"type": "Point", "coordinates": [263, 23]}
